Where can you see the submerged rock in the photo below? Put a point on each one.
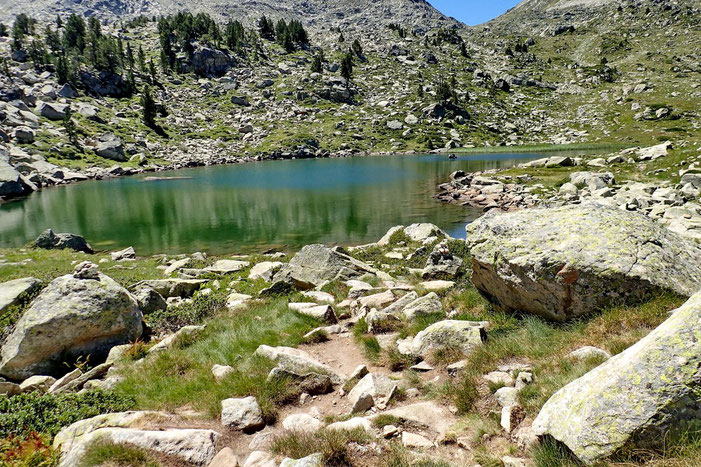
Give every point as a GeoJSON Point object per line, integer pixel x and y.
{"type": "Point", "coordinates": [637, 398]}
{"type": "Point", "coordinates": [565, 262]}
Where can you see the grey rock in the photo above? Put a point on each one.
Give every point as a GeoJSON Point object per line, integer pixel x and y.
{"type": "Point", "coordinates": [318, 264]}
{"type": "Point", "coordinates": [589, 352]}
{"type": "Point", "coordinates": [426, 305]}
{"type": "Point", "coordinates": [111, 147]}
{"type": "Point", "coordinates": [373, 389]}
{"type": "Point", "coordinates": [23, 135]}
{"type": "Point", "coordinates": [10, 182]}
{"type": "Point", "coordinates": [296, 361]}
{"type": "Point", "coordinates": [12, 291]}
{"type": "Point", "coordinates": [564, 262]}
{"type": "Point", "coordinates": [37, 383]}
{"type": "Point", "coordinates": [149, 300]}
{"type": "Point", "coordinates": [175, 287]}
{"type": "Point", "coordinates": [242, 414]}
{"type": "Point", "coordinates": [441, 263]}
{"type": "Point", "coordinates": [127, 253]}
{"type": "Point", "coordinates": [49, 240]}
{"type": "Point", "coordinates": [449, 334]}
{"type": "Point", "coordinates": [265, 270]}
{"type": "Point", "coordinates": [52, 111]}
{"type": "Point", "coordinates": [9, 389]}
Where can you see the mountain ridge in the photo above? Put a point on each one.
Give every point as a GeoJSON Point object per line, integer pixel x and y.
{"type": "Point", "coordinates": [416, 15]}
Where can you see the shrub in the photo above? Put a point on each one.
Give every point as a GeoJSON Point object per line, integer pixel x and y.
{"type": "Point", "coordinates": [46, 414]}
{"type": "Point", "coordinates": [102, 453]}
{"type": "Point", "coordinates": [30, 451]}
{"type": "Point", "coordinates": [333, 445]}
{"type": "Point", "coordinates": [192, 313]}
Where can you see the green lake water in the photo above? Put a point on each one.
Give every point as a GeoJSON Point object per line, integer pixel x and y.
{"type": "Point", "coordinates": [251, 207]}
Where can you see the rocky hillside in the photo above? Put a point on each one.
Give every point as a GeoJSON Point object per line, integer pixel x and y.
{"type": "Point", "coordinates": [362, 15]}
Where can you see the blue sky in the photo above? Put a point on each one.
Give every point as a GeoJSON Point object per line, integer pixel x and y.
{"type": "Point", "coordinates": [473, 11]}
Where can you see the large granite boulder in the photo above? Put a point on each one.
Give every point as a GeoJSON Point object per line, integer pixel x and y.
{"type": "Point", "coordinates": [318, 264]}
{"type": "Point", "coordinates": [206, 61]}
{"type": "Point", "coordinates": [71, 317]}
{"type": "Point", "coordinates": [52, 111]}
{"type": "Point", "coordinates": [104, 83]}
{"type": "Point", "coordinates": [637, 398]}
{"type": "Point", "coordinates": [189, 446]}
{"type": "Point", "coordinates": [53, 241]}
{"type": "Point", "coordinates": [111, 147]}
{"type": "Point", "coordinates": [565, 262]}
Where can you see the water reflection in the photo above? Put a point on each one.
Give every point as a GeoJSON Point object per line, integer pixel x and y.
{"type": "Point", "coordinates": [250, 206]}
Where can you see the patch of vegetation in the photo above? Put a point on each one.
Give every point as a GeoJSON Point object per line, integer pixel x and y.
{"type": "Point", "coordinates": [119, 455]}
{"type": "Point", "coordinates": [29, 451]}
{"type": "Point", "coordinates": [368, 343]}
{"type": "Point", "coordinates": [399, 456]}
{"type": "Point", "coordinates": [383, 420]}
{"type": "Point", "coordinates": [546, 344]}
{"type": "Point", "coordinates": [192, 313]}
{"type": "Point", "coordinates": [46, 414]}
{"type": "Point", "coordinates": [182, 376]}
{"type": "Point", "coordinates": [332, 444]}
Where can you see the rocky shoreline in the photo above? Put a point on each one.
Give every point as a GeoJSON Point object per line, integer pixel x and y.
{"type": "Point", "coordinates": [674, 205]}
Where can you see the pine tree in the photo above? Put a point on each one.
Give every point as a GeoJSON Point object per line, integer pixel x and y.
{"type": "Point", "coordinates": [62, 71]}
{"type": "Point", "coordinates": [3, 30]}
{"type": "Point", "coordinates": [443, 92]}
{"type": "Point", "coordinates": [130, 56]}
{"type": "Point", "coordinates": [70, 127]}
{"type": "Point", "coordinates": [341, 38]}
{"type": "Point", "coordinates": [148, 107]}
{"type": "Point", "coordinates": [266, 28]}
{"type": "Point", "coordinates": [287, 43]}
{"type": "Point", "coordinates": [59, 22]}
{"type": "Point", "coordinates": [53, 41]}
{"type": "Point", "coordinates": [347, 67]}
{"type": "Point", "coordinates": [317, 63]}
{"type": "Point", "coordinates": [152, 71]}
{"type": "Point", "coordinates": [142, 60]}
{"type": "Point", "coordinates": [463, 50]}
{"type": "Point", "coordinates": [357, 48]}
{"type": "Point", "coordinates": [420, 90]}
{"type": "Point", "coordinates": [74, 33]}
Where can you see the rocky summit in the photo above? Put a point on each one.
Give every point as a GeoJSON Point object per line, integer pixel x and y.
{"type": "Point", "coordinates": [238, 316]}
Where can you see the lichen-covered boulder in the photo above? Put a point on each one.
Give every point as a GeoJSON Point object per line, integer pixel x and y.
{"type": "Point", "coordinates": [635, 398]}
{"type": "Point", "coordinates": [318, 264]}
{"type": "Point", "coordinates": [564, 262]}
{"type": "Point", "coordinates": [449, 335]}
{"type": "Point", "coordinates": [71, 317]}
